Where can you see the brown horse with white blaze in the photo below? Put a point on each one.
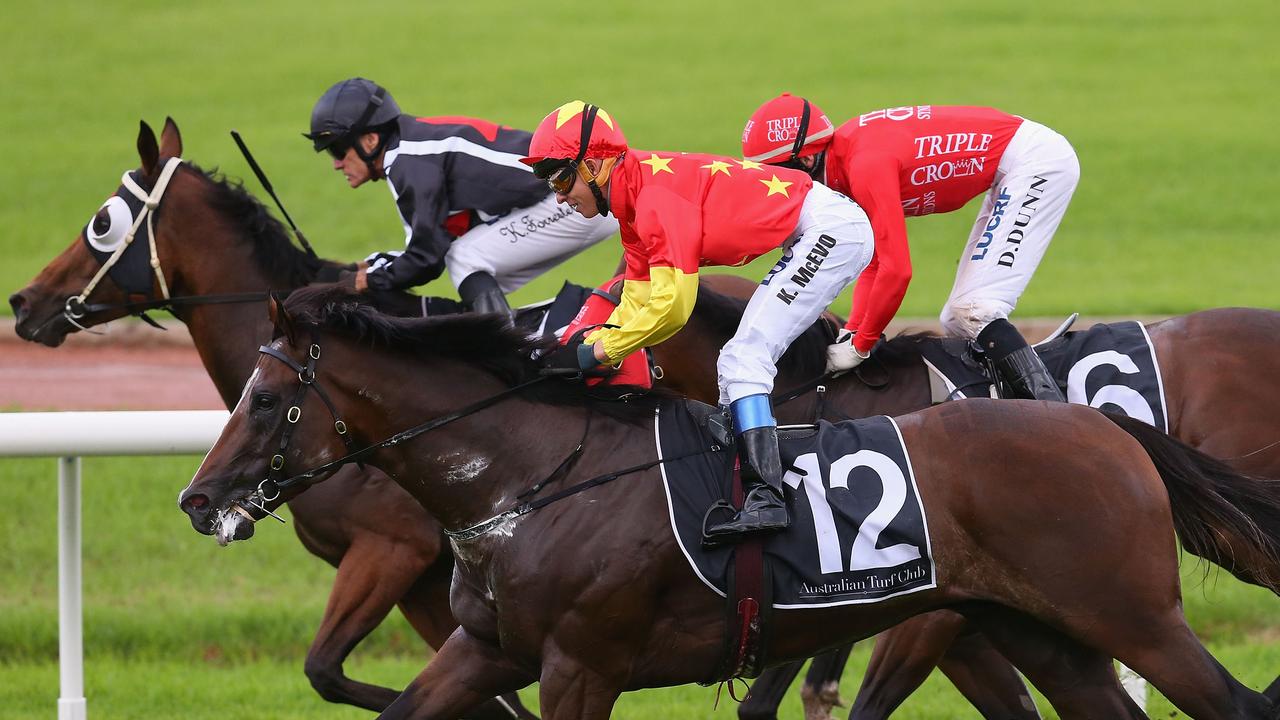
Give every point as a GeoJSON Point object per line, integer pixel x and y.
{"type": "Point", "coordinates": [1079, 566]}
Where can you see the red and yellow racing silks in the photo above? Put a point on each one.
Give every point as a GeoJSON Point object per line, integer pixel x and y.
{"type": "Point", "coordinates": [681, 211]}
{"type": "Point", "coordinates": [912, 160]}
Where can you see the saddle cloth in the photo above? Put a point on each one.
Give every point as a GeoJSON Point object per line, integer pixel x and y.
{"type": "Point", "coordinates": [858, 532]}
{"type": "Point", "coordinates": [1109, 366]}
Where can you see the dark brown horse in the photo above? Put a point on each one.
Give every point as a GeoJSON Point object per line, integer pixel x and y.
{"type": "Point", "coordinates": [1215, 403]}
{"type": "Point", "coordinates": [214, 239]}
{"type": "Point", "coordinates": [1077, 567]}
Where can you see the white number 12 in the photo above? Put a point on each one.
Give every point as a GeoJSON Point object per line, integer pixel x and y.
{"type": "Point", "coordinates": [864, 555]}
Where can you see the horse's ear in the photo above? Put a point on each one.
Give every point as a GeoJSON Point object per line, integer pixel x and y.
{"type": "Point", "coordinates": [170, 139]}
{"type": "Point", "coordinates": [280, 318]}
{"type": "Point", "coordinates": [147, 148]}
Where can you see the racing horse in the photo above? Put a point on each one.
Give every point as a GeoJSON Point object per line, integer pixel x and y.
{"type": "Point", "coordinates": [218, 250]}
{"type": "Point", "coordinates": [1218, 398]}
{"type": "Point", "coordinates": [214, 241]}
{"type": "Point", "coordinates": [1079, 566]}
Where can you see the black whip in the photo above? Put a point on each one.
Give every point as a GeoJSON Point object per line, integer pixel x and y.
{"type": "Point", "coordinates": [266, 185]}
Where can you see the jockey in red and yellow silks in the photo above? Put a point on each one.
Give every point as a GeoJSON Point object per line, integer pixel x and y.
{"type": "Point", "coordinates": [923, 159]}
{"type": "Point", "coordinates": [678, 212]}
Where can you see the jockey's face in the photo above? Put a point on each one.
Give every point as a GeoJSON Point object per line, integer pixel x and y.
{"type": "Point", "coordinates": [352, 166]}
{"type": "Point", "coordinates": [579, 195]}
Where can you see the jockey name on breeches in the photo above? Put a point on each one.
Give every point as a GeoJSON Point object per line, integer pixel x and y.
{"type": "Point", "coordinates": [829, 249]}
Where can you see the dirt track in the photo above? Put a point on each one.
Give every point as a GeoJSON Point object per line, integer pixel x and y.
{"type": "Point", "coordinates": [135, 367]}
{"type": "Point", "coordinates": [128, 369]}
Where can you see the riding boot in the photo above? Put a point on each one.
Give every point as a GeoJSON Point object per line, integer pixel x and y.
{"type": "Point", "coordinates": [763, 506]}
{"type": "Point", "coordinates": [1018, 364]}
{"type": "Point", "coordinates": [481, 294]}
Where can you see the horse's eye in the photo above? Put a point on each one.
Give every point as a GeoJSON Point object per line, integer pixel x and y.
{"type": "Point", "coordinates": [263, 401]}
{"type": "Point", "coordinates": [110, 225]}
{"type": "Point", "coordinates": [101, 222]}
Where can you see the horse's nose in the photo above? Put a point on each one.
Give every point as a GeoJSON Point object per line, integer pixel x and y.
{"type": "Point", "coordinates": [196, 506]}
{"type": "Point", "coordinates": [21, 307]}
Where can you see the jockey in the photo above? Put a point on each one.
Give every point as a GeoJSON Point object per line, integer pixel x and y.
{"type": "Point", "coordinates": [680, 211]}
{"type": "Point", "coordinates": [922, 159]}
{"type": "Point", "coordinates": [466, 201]}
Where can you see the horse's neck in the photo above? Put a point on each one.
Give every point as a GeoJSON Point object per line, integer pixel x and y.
{"type": "Point", "coordinates": [227, 339]}
{"type": "Point", "coordinates": [227, 335]}
{"type": "Point", "coordinates": [475, 468]}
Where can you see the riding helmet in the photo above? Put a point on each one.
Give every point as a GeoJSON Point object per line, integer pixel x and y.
{"type": "Point", "coordinates": [348, 108]}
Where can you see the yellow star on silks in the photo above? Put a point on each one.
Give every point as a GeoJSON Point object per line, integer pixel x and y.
{"type": "Point", "coordinates": [659, 164]}
{"type": "Point", "coordinates": [718, 166]}
{"type": "Point", "coordinates": [777, 187]}
{"type": "Point", "coordinates": [750, 165]}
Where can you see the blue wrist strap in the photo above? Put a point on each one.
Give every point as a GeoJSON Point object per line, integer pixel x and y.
{"type": "Point", "coordinates": [751, 412]}
{"type": "Point", "coordinates": [587, 356]}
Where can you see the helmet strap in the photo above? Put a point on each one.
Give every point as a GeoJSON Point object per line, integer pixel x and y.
{"type": "Point", "coordinates": [802, 131]}
{"type": "Point", "coordinates": [371, 158]}
{"type": "Point", "coordinates": [595, 180]}
{"type": "Point", "coordinates": [584, 140]}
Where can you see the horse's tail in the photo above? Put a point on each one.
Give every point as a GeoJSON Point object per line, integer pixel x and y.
{"type": "Point", "coordinates": [1229, 519]}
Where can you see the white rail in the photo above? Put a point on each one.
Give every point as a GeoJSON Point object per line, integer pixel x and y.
{"type": "Point", "coordinates": [68, 436]}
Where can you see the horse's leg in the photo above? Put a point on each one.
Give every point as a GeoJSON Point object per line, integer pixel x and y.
{"type": "Point", "coordinates": [904, 656]}
{"type": "Point", "coordinates": [1079, 681]}
{"type": "Point", "coordinates": [368, 584]}
{"type": "Point", "coordinates": [986, 678]}
{"type": "Point", "coordinates": [767, 691]}
{"type": "Point", "coordinates": [821, 690]}
{"type": "Point", "coordinates": [1168, 655]}
{"type": "Point", "coordinates": [571, 689]}
{"type": "Point", "coordinates": [426, 606]}
{"type": "Point", "coordinates": [464, 674]}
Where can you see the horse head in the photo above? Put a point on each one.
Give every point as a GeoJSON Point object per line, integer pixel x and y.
{"type": "Point", "coordinates": [292, 417]}
{"type": "Point", "coordinates": [125, 227]}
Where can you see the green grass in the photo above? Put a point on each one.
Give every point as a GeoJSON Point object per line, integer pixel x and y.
{"type": "Point", "coordinates": [178, 627]}
{"type": "Point", "coordinates": [1171, 107]}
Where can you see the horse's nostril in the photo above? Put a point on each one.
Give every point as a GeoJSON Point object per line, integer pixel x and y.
{"type": "Point", "coordinates": [19, 305]}
{"type": "Point", "coordinates": [196, 502]}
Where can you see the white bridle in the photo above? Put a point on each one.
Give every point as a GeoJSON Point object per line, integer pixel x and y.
{"type": "Point", "coordinates": [74, 307]}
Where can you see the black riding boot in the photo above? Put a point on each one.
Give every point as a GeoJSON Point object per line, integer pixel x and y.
{"type": "Point", "coordinates": [763, 507]}
{"type": "Point", "coordinates": [1017, 363]}
{"type": "Point", "coordinates": [481, 294]}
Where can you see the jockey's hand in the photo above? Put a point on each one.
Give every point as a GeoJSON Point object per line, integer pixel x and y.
{"type": "Point", "coordinates": [355, 280]}
{"type": "Point", "coordinates": [843, 356]}
{"type": "Point", "coordinates": [571, 359]}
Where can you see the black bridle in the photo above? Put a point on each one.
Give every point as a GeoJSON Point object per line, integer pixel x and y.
{"type": "Point", "coordinates": [270, 488]}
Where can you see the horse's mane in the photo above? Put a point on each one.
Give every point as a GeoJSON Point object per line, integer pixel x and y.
{"type": "Point", "coordinates": [904, 348]}
{"type": "Point", "coordinates": [272, 246]}
{"type": "Point", "coordinates": [477, 340]}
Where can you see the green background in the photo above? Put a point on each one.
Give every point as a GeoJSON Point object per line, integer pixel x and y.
{"type": "Point", "coordinates": [1170, 106]}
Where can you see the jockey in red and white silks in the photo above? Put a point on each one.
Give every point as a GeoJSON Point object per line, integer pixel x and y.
{"type": "Point", "coordinates": [924, 159]}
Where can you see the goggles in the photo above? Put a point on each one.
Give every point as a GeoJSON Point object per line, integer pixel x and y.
{"type": "Point", "coordinates": [561, 181]}
{"type": "Point", "coordinates": [338, 150]}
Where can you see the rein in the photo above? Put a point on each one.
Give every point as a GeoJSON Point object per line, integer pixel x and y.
{"type": "Point", "coordinates": [524, 508]}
